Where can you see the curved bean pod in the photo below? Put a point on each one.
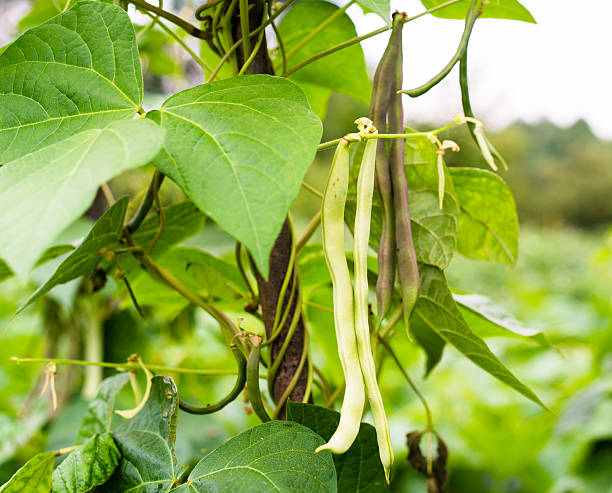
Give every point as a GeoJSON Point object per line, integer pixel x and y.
{"type": "Point", "coordinates": [365, 189]}
{"type": "Point", "coordinates": [332, 227]}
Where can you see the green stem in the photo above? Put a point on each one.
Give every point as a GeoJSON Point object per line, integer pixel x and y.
{"type": "Point", "coordinates": [123, 366]}
{"type": "Point", "coordinates": [390, 351]}
{"type": "Point", "coordinates": [467, 31]}
{"type": "Point", "coordinates": [241, 364]}
{"type": "Point", "coordinates": [253, 384]}
{"type": "Point", "coordinates": [312, 226]}
{"type": "Point", "coordinates": [244, 30]}
{"type": "Point", "coordinates": [181, 42]}
{"type": "Point", "coordinates": [169, 16]}
{"type": "Point", "coordinates": [147, 202]}
{"type": "Point", "coordinates": [358, 39]}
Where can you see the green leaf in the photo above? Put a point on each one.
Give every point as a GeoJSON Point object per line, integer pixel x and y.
{"type": "Point", "coordinates": [490, 320]}
{"type": "Point", "coordinates": [5, 271]}
{"type": "Point", "coordinates": [105, 234]}
{"type": "Point", "coordinates": [88, 466]}
{"type": "Point", "coordinates": [488, 224]}
{"type": "Point", "coordinates": [43, 192]}
{"type": "Point", "coordinates": [494, 9]}
{"type": "Point", "coordinates": [359, 469]}
{"type": "Point", "coordinates": [272, 457]}
{"type": "Point", "coordinates": [380, 7]}
{"type": "Point", "coordinates": [438, 310]}
{"type": "Point", "coordinates": [429, 340]}
{"type": "Point", "coordinates": [343, 71]}
{"type": "Point", "coordinates": [148, 462]}
{"type": "Point", "coordinates": [33, 477]}
{"type": "Point", "coordinates": [99, 414]}
{"type": "Point", "coordinates": [80, 70]}
{"type": "Point", "coordinates": [434, 230]}
{"type": "Point", "coordinates": [239, 149]}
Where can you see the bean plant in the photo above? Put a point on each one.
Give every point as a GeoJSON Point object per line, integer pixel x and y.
{"type": "Point", "coordinates": [238, 146]}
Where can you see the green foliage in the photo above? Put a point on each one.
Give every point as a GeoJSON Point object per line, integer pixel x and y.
{"type": "Point", "coordinates": [495, 9]}
{"type": "Point", "coordinates": [380, 7]}
{"type": "Point", "coordinates": [488, 225]}
{"type": "Point", "coordinates": [437, 309]}
{"type": "Point", "coordinates": [274, 456]}
{"type": "Point", "coordinates": [103, 237]}
{"type": "Point", "coordinates": [80, 164]}
{"type": "Point", "coordinates": [359, 468]}
{"type": "Point", "coordinates": [35, 475]}
{"type": "Point", "coordinates": [343, 72]}
{"type": "Point", "coordinates": [239, 149]}
{"type": "Point", "coordinates": [88, 466]}
{"type": "Point", "coordinates": [77, 71]}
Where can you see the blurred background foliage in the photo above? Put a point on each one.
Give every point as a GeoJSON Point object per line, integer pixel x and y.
{"type": "Point", "coordinates": [499, 442]}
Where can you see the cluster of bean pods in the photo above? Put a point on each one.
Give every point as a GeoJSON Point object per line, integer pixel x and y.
{"type": "Point", "coordinates": [396, 249]}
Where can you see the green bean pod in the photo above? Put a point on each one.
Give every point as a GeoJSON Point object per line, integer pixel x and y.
{"type": "Point", "coordinates": [365, 189]}
{"type": "Point", "coordinates": [383, 80]}
{"type": "Point", "coordinates": [332, 227]}
{"type": "Point", "coordinates": [407, 267]}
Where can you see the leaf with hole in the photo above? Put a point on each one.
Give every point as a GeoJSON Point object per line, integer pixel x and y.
{"type": "Point", "coordinates": [273, 457]}
{"type": "Point", "coordinates": [79, 70]}
{"type": "Point", "coordinates": [239, 149]}
{"type": "Point", "coordinates": [148, 463]}
{"type": "Point", "coordinates": [43, 192]}
{"type": "Point", "coordinates": [359, 469]}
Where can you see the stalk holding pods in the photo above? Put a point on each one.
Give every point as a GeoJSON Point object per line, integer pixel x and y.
{"type": "Point", "coordinates": [332, 227]}
{"type": "Point", "coordinates": [383, 80]}
{"type": "Point", "coordinates": [365, 189]}
{"type": "Point", "coordinates": [407, 267]}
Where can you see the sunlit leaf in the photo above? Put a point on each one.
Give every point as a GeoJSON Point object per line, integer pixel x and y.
{"type": "Point", "coordinates": [495, 9]}
{"type": "Point", "coordinates": [239, 149]}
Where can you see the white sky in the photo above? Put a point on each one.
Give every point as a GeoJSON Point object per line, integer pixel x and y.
{"type": "Point", "coordinates": [559, 69]}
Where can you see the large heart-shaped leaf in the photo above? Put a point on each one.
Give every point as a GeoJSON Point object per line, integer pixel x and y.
{"type": "Point", "coordinates": [33, 477]}
{"type": "Point", "coordinates": [42, 192]}
{"type": "Point", "coordinates": [88, 466]}
{"type": "Point", "coordinates": [105, 234]}
{"type": "Point", "coordinates": [359, 469]}
{"type": "Point", "coordinates": [495, 9]}
{"type": "Point", "coordinates": [146, 442]}
{"type": "Point", "coordinates": [344, 71]}
{"type": "Point", "coordinates": [488, 224]}
{"type": "Point", "coordinates": [272, 457]}
{"type": "Point", "coordinates": [80, 70]}
{"type": "Point", "coordinates": [239, 149]}
{"type": "Point", "coordinates": [439, 312]}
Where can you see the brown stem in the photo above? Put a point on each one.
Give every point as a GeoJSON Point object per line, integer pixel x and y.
{"type": "Point", "coordinates": [270, 289]}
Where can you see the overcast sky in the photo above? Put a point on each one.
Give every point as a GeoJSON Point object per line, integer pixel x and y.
{"type": "Point", "coordinates": [559, 68]}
